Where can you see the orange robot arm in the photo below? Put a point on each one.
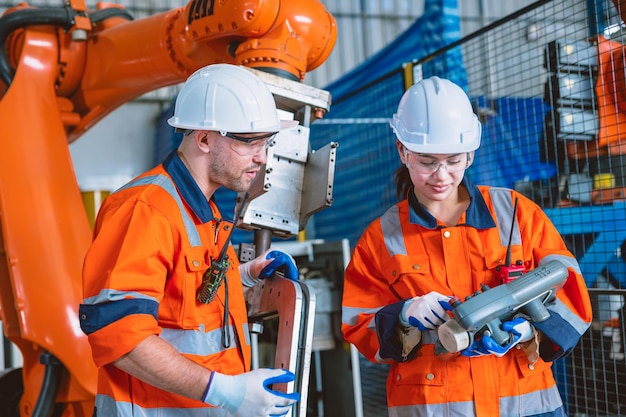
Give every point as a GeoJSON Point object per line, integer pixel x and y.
{"type": "Point", "coordinates": [61, 71]}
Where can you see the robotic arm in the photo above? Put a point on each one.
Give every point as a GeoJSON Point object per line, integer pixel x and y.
{"type": "Point", "coordinates": [105, 58]}
{"type": "Point", "coordinates": [63, 69]}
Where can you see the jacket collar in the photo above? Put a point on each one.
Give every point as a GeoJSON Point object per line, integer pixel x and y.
{"type": "Point", "coordinates": [477, 214]}
{"type": "Point", "coordinates": [188, 188]}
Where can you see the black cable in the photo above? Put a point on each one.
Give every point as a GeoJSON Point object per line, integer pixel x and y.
{"type": "Point", "coordinates": [63, 17]}
{"type": "Point", "coordinates": [50, 385]}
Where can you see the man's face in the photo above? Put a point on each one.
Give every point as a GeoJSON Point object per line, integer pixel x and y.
{"type": "Point", "coordinates": [237, 159]}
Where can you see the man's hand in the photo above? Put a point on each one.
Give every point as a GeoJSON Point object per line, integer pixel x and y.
{"type": "Point", "coordinates": [520, 331]}
{"type": "Point", "coordinates": [280, 261]}
{"type": "Point", "coordinates": [249, 394]}
{"type": "Point", "coordinates": [426, 312]}
{"type": "Point", "coordinates": [263, 266]}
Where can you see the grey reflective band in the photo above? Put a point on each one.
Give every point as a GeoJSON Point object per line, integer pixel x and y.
{"type": "Point", "coordinates": [108, 295]}
{"type": "Point", "coordinates": [534, 403]}
{"type": "Point", "coordinates": [108, 407]}
{"type": "Point", "coordinates": [503, 206]}
{"type": "Point", "coordinates": [392, 232]}
{"type": "Point", "coordinates": [198, 342]}
{"type": "Point", "coordinates": [166, 183]}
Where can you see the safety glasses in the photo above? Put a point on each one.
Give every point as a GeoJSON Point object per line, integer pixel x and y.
{"type": "Point", "coordinates": [429, 164]}
{"type": "Point", "coordinates": [249, 145]}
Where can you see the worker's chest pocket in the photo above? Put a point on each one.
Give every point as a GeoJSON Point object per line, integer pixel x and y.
{"type": "Point", "coordinates": [409, 276]}
{"type": "Point", "coordinates": [195, 266]}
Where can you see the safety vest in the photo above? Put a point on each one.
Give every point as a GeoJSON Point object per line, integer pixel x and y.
{"type": "Point", "coordinates": [141, 277]}
{"type": "Point", "coordinates": [405, 253]}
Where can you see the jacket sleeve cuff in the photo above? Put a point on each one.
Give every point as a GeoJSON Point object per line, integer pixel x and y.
{"type": "Point", "coordinates": [396, 341]}
{"type": "Point", "coordinates": [559, 337]}
{"type": "Point", "coordinates": [117, 339]}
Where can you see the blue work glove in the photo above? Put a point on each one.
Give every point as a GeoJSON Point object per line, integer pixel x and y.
{"type": "Point", "coordinates": [426, 312]}
{"type": "Point", "coordinates": [520, 330]}
{"type": "Point", "coordinates": [259, 268]}
{"type": "Point", "coordinates": [249, 394]}
{"type": "Point", "coordinates": [281, 262]}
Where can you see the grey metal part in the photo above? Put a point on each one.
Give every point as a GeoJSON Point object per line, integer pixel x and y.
{"type": "Point", "coordinates": [276, 194]}
{"type": "Point", "coordinates": [293, 185]}
{"type": "Point", "coordinates": [293, 96]}
{"type": "Point", "coordinates": [295, 182]}
{"type": "Point", "coordinates": [319, 177]}
{"type": "Point", "coordinates": [293, 303]}
{"type": "Point", "coordinates": [577, 123]}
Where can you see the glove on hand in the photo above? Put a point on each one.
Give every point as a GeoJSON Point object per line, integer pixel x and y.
{"type": "Point", "coordinates": [259, 266]}
{"type": "Point", "coordinates": [281, 262]}
{"type": "Point", "coordinates": [426, 312]}
{"type": "Point", "coordinates": [520, 330]}
{"type": "Point", "coordinates": [249, 395]}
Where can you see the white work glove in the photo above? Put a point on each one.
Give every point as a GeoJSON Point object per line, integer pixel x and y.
{"type": "Point", "coordinates": [520, 331]}
{"type": "Point", "coordinates": [426, 312]}
{"type": "Point", "coordinates": [265, 265]}
{"type": "Point", "coordinates": [249, 394]}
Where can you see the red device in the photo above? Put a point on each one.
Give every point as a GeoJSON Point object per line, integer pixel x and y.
{"type": "Point", "coordinates": [508, 272]}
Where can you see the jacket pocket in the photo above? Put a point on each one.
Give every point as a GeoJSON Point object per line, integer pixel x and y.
{"type": "Point", "coordinates": [423, 370]}
{"type": "Point", "coordinates": [196, 266]}
{"type": "Point", "coordinates": [422, 380]}
{"type": "Point", "coordinates": [409, 276]}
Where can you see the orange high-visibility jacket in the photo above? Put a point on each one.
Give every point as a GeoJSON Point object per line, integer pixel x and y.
{"type": "Point", "coordinates": [153, 240]}
{"type": "Point", "coordinates": [407, 252]}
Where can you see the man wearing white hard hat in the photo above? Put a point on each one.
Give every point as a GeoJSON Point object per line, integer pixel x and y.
{"type": "Point", "coordinates": [163, 308]}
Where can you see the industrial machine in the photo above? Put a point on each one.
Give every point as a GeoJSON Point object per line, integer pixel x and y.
{"type": "Point", "coordinates": [63, 69]}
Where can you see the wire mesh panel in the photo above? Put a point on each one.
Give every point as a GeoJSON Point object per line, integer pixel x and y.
{"type": "Point", "coordinates": [593, 377]}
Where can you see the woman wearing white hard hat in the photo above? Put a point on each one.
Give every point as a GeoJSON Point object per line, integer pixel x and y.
{"type": "Point", "coordinates": [441, 243]}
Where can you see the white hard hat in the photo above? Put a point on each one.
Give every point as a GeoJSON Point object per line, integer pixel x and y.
{"type": "Point", "coordinates": [227, 98]}
{"type": "Point", "coordinates": [435, 116]}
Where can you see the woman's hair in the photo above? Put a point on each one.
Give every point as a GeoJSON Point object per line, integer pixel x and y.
{"type": "Point", "coordinates": [403, 182]}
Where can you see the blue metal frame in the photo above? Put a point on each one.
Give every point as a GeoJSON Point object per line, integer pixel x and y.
{"type": "Point", "coordinates": [607, 222]}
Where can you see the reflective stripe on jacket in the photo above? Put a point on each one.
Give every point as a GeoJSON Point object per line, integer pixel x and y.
{"type": "Point", "coordinates": [407, 252]}
{"type": "Point", "coordinates": [153, 241]}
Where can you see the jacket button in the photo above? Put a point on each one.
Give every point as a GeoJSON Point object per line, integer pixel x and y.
{"type": "Point", "coordinates": [531, 366]}
{"type": "Point", "coordinates": [397, 377]}
{"type": "Point", "coordinates": [393, 273]}
{"type": "Point", "coordinates": [196, 263]}
{"type": "Point", "coordinates": [446, 234]}
{"type": "Point", "coordinates": [430, 376]}
{"type": "Point", "coordinates": [416, 266]}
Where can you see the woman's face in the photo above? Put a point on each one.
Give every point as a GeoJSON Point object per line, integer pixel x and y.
{"type": "Point", "coordinates": [435, 177]}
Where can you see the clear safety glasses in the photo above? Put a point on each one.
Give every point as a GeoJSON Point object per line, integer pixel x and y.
{"type": "Point", "coordinates": [429, 164]}
{"type": "Point", "coordinates": [249, 145]}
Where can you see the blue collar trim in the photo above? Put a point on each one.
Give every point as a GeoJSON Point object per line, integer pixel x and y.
{"type": "Point", "coordinates": [187, 187]}
{"type": "Point", "coordinates": [476, 216]}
